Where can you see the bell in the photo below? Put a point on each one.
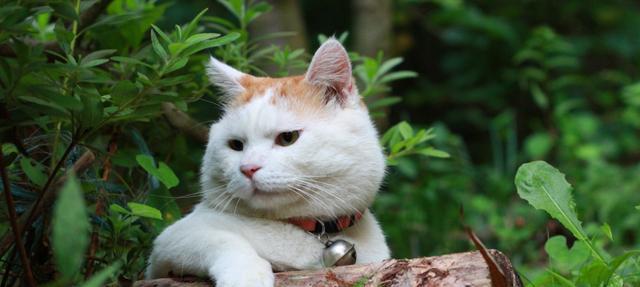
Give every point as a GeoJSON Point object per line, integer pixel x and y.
{"type": "Point", "coordinates": [338, 253]}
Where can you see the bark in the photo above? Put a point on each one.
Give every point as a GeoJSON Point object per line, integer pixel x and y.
{"type": "Point", "coordinates": [372, 26]}
{"type": "Point", "coordinates": [461, 269]}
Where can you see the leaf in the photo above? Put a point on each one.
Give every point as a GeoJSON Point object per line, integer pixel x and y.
{"type": "Point", "coordinates": [606, 229]}
{"type": "Point", "coordinates": [70, 234]}
{"type": "Point", "coordinates": [210, 44]}
{"type": "Point", "coordinates": [99, 278]}
{"type": "Point", "coordinates": [163, 173]}
{"type": "Point", "coordinates": [564, 258]}
{"type": "Point", "coordinates": [91, 113]}
{"type": "Point", "coordinates": [546, 188]}
{"type": "Point", "coordinates": [432, 152]}
{"type": "Point", "coordinates": [34, 172]}
{"type": "Point", "coordinates": [143, 210]}
{"type": "Point", "coordinates": [119, 209]}
{"type": "Point", "coordinates": [563, 281]}
{"type": "Point", "coordinates": [405, 130]}
{"type": "Point", "coordinates": [157, 47]}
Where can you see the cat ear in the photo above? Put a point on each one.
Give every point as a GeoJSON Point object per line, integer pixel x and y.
{"type": "Point", "coordinates": [330, 68]}
{"type": "Point", "coordinates": [225, 77]}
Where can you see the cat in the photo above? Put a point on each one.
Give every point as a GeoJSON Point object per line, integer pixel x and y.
{"type": "Point", "coordinates": [286, 150]}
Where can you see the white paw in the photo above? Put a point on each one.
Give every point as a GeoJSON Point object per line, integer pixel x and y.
{"type": "Point", "coordinates": [250, 274]}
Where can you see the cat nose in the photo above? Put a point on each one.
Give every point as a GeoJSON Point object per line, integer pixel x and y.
{"type": "Point", "coordinates": [249, 169]}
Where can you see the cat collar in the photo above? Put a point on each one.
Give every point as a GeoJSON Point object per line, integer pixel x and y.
{"type": "Point", "coordinates": [318, 227]}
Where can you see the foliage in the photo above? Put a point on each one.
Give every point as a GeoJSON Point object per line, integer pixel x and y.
{"type": "Point", "coordinates": [492, 83]}
{"type": "Point", "coordinates": [544, 187]}
{"type": "Point", "coordinates": [94, 87]}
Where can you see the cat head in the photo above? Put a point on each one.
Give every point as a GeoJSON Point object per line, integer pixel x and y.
{"type": "Point", "coordinates": [295, 146]}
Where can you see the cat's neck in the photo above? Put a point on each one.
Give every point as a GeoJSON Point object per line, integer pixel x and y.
{"type": "Point", "coordinates": [296, 209]}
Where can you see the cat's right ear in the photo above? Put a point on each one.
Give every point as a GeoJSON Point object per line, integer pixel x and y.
{"type": "Point", "coordinates": [225, 77]}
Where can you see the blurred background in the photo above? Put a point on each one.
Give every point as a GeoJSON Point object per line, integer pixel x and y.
{"type": "Point", "coordinates": [498, 83]}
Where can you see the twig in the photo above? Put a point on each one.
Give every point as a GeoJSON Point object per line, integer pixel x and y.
{"type": "Point", "coordinates": [185, 123]}
{"type": "Point", "coordinates": [100, 205]}
{"type": "Point", "coordinates": [79, 167]}
{"type": "Point", "coordinates": [14, 224]}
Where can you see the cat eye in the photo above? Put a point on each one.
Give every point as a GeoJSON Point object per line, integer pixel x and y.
{"type": "Point", "coordinates": [236, 145]}
{"type": "Point", "coordinates": [287, 138]}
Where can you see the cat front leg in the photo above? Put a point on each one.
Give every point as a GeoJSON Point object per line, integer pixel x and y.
{"type": "Point", "coordinates": [192, 247]}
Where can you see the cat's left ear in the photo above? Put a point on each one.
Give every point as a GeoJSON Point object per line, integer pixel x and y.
{"type": "Point", "coordinates": [225, 77]}
{"type": "Point", "coordinates": [330, 68]}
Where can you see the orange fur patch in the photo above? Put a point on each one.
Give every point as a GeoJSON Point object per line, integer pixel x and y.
{"type": "Point", "coordinates": [298, 94]}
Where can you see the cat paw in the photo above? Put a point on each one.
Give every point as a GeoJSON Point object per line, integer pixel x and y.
{"type": "Point", "coordinates": [258, 274]}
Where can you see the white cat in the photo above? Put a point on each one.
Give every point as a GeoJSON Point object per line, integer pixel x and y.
{"type": "Point", "coordinates": [288, 150]}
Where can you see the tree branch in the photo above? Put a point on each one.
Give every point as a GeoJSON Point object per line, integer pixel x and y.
{"type": "Point", "coordinates": [461, 269]}
{"type": "Point", "coordinates": [185, 123]}
{"type": "Point", "coordinates": [11, 208]}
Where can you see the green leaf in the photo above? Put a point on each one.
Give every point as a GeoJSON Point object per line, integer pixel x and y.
{"type": "Point", "coordinates": [119, 209]}
{"type": "Point", "coordinates": [92, 110]}
{"type": "Point", "coordinates": [99, 278]}
{"type": "Point", "coordinates": [143, 210]}
{"type": "Point", "coordinates": [405, 130]}
{"type": "Point", "coordinates": [606, 229]}
{"type": "Point", "coordinates": [564, 258]}
{"type": "Point", "coordinates": [546, 188]}
{"type": "Point", "coordinates": [123, 91]}
{"type": "Point", "coordinates": [163, 173]}
{"type": "Point", "coordinates": [210, 44]}
{"type": "Point", "coordinates": [432, 152]}
{"type": "Point", "coordinates": [563, 281]}
{"type": "Point", "coordinates": [34, 172]}
{"type": "Point", "coordinates": [70, 236]}
{"type": "Point", "coordinates": [157, 47]}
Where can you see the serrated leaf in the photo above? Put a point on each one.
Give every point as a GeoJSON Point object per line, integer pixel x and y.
{"type": "Point", "coordinates": [143, 210]}
{"type": "Point", "coordinates": [70, 236]}
{"type": "Point", "coordinates": [163, 173]}
{"type": "Point", "coordinates": [546, 188]}
{"type": "Point", "coordinates": [34, 172]}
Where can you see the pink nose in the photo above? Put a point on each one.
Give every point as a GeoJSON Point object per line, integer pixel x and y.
{"type": "Point", "coordinates": [249, 169]}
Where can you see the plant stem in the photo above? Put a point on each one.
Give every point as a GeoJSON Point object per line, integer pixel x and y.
{"type": "Point", "coordinates": [14, 224]}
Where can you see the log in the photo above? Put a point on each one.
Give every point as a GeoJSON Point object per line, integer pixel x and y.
{"type": "Point", "coordinates": [461, 269]}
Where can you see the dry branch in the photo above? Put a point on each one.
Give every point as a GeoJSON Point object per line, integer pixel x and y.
{"type": "Point", "coordinates": [185, 123]}
{"type": "Point", "coordinates": [461, 269]}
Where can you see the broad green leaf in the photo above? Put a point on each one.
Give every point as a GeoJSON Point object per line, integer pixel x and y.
{"type": "Point", "coordinates": [546, 188]}
{"type": "Point", "coordinates": [70, 236]}
{"type": "Point", "coordinates": [143, 210]}
{"type": "Point", "coordinates": [163, 173]}
{"type": "Point", "coordinates": [99, 278]}
{"type": "Point", "coordinates": [564, 258]}
{"type": "Point", "coordinates": [34, 171]}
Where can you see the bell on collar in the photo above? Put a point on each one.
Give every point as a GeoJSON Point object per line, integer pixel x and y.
{"type": "Point", "coordinates": [338, 253]}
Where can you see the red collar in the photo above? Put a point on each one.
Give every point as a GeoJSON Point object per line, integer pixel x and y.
{"type": "Point", "coordinates": [330, 226]}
